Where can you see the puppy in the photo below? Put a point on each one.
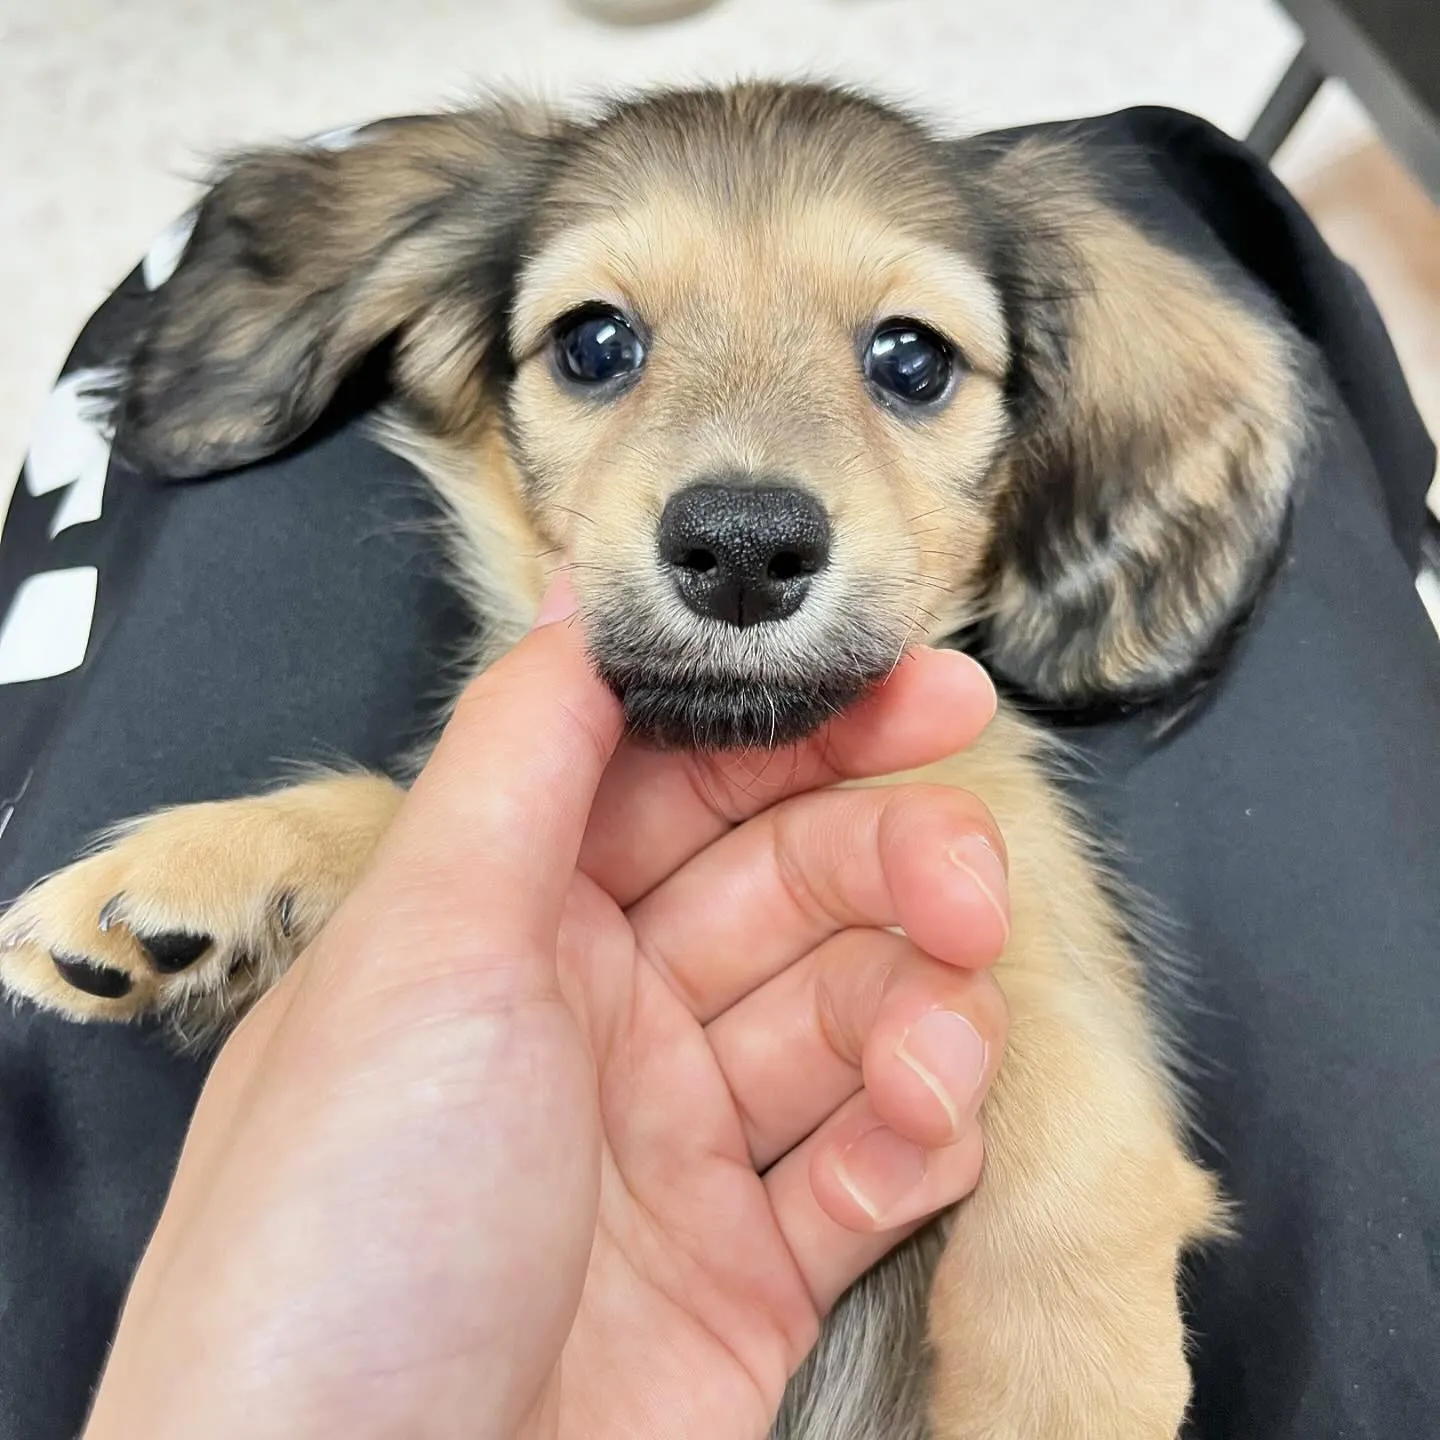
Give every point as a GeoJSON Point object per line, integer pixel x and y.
{"type": "Point", "coordinates": [793, 384]}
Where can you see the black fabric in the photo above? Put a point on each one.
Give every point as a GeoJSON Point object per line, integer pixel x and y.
{"type": "Point", "coordinates": [1292, 832]}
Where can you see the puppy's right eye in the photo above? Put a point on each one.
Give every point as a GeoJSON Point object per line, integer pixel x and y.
{"type": "Point", "coordinates": [597, 346]}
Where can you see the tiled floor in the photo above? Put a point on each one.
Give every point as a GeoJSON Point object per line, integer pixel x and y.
{"type": "Point", "coordinates": [107, 111]}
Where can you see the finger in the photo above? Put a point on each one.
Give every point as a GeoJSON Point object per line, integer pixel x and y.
{"type": "Point", "coordinates": [927, 1036]}
{"type": "Point", "coordinates": [655, 810]}
{"type": "Point", "coordinates": [923, 857]}
{"type": "Point", "coordinates": [933, 1051]}
{"type": "Point", "coordinates": [847, 1196]}
{"type": "Point", "coordinates": [495, 820]}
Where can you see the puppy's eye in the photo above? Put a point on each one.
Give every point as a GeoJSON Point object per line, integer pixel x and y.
{"type": "Point", "coordinates": [909, 362]}
{"type": "Point", "coordinates": [596, 346]}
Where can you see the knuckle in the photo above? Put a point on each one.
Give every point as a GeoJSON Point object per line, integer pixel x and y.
{"type": "Point", "coordinates": [807, 866]}
{"type": "Point", "coordinates": [917, 805]}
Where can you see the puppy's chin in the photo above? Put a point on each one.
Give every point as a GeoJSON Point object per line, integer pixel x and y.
{"type": "Point", "coordinates": [712, 713]}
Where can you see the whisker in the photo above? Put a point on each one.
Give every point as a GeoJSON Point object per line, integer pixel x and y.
{"type": "Point", "coordinates": [578, 514]}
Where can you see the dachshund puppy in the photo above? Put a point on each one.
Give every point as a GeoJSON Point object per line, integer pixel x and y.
{"type": "Point", "coordinates": [792, 384]}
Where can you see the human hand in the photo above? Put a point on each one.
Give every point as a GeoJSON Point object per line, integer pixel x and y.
{"type": "Point", "coordinates": [597, 1092]}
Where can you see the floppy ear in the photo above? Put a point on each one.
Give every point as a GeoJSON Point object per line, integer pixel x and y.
{"type": "Point", "coordinates": [303, 260]}
{"type": "Point", "coordinates": [1158, 425]}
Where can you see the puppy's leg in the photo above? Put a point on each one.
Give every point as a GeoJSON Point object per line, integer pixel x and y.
{"type": "Point", "coordinates": [192, 913]}
{"type": "Point", "coordinates": [1055, 1313]}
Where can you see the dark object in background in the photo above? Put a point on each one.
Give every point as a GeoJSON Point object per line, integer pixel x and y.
{"type": "Point", "coordinates": [639, 12]}
{"type": "Point", "coordinates": [1388, 53]}
{"type": "Point", "coordinates": [1292, 831]}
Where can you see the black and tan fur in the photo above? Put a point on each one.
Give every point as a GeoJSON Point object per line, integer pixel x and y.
{"type": "Point", "coordinates": [1098, 505]}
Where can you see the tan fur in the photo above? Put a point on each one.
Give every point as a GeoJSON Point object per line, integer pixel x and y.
{"type": "Point", "coordinates": [1212, 386]}
{"type": "Point", "coordinates": [720, 295]}
{"type": "Point", "coordinates": [1099, 497]}
{"type": "Point", "coordinates": [260, 875]}
{"type": "Point", "coordinates": [1055, 1311]}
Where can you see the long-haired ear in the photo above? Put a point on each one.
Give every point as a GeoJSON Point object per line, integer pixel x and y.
{"type": "Point", "coordinates": [1158, 420]}
{"type": "Point", "coordinates": [304, 260]}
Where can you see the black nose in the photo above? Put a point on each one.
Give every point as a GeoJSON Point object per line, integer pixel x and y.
{"type": "Point", "coordinates": [744, 553]}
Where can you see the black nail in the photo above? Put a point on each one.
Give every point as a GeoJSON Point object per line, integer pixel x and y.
{"type": "Point", "coordinates": [174, 950]}
{"type": "Point", "coordinates": [93, 979]}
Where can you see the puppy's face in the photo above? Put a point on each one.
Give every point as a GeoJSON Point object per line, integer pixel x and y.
{"type": "Point", "coordinates": [759, 419]}
{"type": "Point", "coordinates": [787, 381]}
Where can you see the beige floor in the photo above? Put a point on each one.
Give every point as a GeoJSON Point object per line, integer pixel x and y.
{"type": "Point", "coordinates": [1378, 218]}
{"type": "Point", "coordinates": [109, 109]}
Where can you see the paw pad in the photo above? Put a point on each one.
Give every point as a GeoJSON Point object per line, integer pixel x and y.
{"type": "Point", "coordinates": [174, 950]}
{"type": "Point", "coordinates": [100, 980]}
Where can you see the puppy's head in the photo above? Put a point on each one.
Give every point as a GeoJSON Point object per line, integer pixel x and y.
{"type": "Point", "coordinates": [787, 382]}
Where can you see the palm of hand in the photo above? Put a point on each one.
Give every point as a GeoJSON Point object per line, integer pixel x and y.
{"type": "Point", "coordinates": [691, 1281]}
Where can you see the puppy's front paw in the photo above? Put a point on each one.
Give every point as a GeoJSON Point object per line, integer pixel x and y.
{"type": "Point", "coordinates": [173, 918]}
{"type": "Point", "coordinates": [191, 914]}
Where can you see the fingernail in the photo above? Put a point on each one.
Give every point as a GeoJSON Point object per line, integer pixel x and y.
{"type": "Point", "coordinates": [945, 1050]}
{"type": "Point", "coordinates": [879, 1170]}
{"type": "Point", "coordinates": [974, 855]}
{"type": "Point", "coordinates": [559, 602]}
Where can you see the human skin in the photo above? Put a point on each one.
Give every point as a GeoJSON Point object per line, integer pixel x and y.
{"type": "Point", "coordinates": [602, 1086]}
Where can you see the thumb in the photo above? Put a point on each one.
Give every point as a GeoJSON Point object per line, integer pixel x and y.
{"type": "Point", "coordinates": [491, 830]}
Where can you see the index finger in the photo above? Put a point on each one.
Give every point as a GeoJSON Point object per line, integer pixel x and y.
{"type": "Point", "coordinates": [654, 810]}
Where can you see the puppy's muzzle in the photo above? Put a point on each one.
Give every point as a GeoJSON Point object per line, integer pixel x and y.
{"type": "Point", "coordinates": [743, 647]}
{"type": "Point", "coordinates": [743, 554]}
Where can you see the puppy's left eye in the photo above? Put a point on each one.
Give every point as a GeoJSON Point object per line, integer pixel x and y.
{"type": "Point", "coordinates": [597, 346]}
{"type": "Point", "coordinates": [909, 362]}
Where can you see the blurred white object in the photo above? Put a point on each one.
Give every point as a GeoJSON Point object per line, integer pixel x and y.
{"type": "Point", "coordinates": [640, 12]}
